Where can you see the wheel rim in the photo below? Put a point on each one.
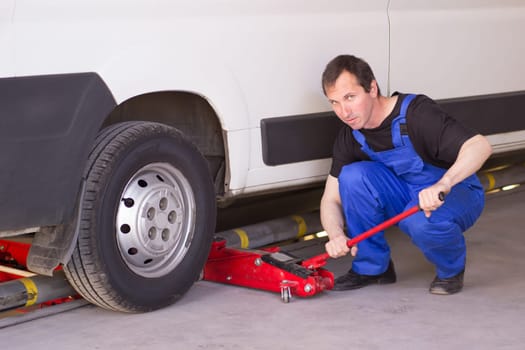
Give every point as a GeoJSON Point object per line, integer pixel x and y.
{"type": "Point", "coordinates": [155, 220]}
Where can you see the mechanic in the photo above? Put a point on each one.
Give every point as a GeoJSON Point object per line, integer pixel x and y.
{"type": "Point", "coordinates": [393, 153]}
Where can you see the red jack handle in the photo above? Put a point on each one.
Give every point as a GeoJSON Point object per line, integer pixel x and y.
{"type": "Point", "coordinates": [320, 260]}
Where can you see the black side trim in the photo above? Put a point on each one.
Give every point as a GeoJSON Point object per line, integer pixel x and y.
{"type": "Point", "coordinates": [47, 127]}
{"type": "Point", "coordinates": [307, 137]}
{"type": "Point", "coordinates": [298, 138]}
{"type": "Point", "coordinates": [489, 114]}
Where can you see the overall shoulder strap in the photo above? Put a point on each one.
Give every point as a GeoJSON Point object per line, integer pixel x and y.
{"type": "Point", "coordinates": [405, 103]}
{"type": "Point", "coordinates": [401, 138]}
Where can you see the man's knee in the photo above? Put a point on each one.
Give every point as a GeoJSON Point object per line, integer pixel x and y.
{"type": "Point", "coordinates": [426, 233]}
{"type": "Point", "coordinates": [353, 174]}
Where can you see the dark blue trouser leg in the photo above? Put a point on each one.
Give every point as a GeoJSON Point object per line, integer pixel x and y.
{"type": "Point", "coordinates": [440, 237]}
{"type": "Point", "coordinates": [371, 193]}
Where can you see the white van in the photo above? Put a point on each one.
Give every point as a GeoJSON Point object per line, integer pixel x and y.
{"type": "Point", "coordinates": [124, 122]}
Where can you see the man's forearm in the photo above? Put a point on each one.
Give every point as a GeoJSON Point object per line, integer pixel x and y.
{"type": "Point", "coordinates": [332, 219]}
{"type": "Point", "coordinates": [472, 155]}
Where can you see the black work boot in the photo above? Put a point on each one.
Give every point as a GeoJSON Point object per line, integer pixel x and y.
{"type": "Point", "coordinates": [353, 280]}
{"type": "Point", "coordinates": [445, 286]}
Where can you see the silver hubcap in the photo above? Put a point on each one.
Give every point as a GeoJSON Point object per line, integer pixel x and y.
{"type": "Point", "coordinates": [155, 220]}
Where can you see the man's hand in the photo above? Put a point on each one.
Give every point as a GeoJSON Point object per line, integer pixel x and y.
{"type": "Point", "coordinates": [432, 198]}
{"type": "Point", "coordinates": [336, 247]}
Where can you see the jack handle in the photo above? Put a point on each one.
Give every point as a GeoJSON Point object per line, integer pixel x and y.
{"type": "Point", "coordinates": [320, 260]}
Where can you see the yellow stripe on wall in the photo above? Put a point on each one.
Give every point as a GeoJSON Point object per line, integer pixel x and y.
{"type": "Point", "coordinates": [243, 236]}
{"type": "Point", "coordinates": [32, 290]}
{"type": "Point", "coordinates": [302, 229]}
{"type": "Point", "coordinates": [492, 181]}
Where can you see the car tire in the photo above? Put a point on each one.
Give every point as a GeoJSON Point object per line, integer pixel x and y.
{"type": "Point", "coordinates": [147, 218]}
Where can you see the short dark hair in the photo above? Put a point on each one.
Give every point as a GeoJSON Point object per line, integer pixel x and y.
{"type": "Point", "coordinates": [352, 64]}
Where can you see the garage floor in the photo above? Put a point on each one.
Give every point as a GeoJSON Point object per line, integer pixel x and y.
{"type": "Point", "coordinates": [488, 314]}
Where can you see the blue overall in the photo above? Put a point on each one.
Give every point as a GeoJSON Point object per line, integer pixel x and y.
{"type": "Point", "coordinates": [373, 191]}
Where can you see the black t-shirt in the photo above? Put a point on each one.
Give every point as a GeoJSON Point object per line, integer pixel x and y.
{"type": "Point", "coordinates": [435, 135]}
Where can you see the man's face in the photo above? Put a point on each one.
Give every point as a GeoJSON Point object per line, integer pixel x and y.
{"type": "Point", "coordinates": [349, 100]}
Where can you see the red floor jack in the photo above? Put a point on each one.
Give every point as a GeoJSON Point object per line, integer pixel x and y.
{"type": "Point", "coordinates": [277, 271]}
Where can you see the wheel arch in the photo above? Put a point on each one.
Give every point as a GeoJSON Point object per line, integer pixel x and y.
{"type": "Point", "coordinates": [138, 74]}
{"type": "Point", "coordinates": [188, 112]}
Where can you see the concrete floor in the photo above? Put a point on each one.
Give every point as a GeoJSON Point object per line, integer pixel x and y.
{"type": "Point", "coordinates": [488, 314]}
